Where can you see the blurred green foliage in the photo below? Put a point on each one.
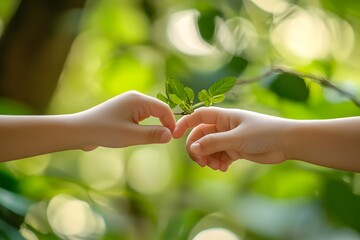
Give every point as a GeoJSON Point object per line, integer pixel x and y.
{"type": "Point", "coordinates": [157, 192]}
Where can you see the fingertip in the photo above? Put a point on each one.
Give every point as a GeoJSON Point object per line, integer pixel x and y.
{"type": "Point", "coordinates": [177, 133]}
{"type": "Point", "coordinates": [165, 136]}
{"type": "Point", "coordinates": [223, 166]}
{"type": "Point", "coordinates": [214, 165]}
{"type": "Point", "coordinates": [169, 123]}
{"type": "Point", "coordinates": [202, 162]}
{"type": "Point", "coordinates": [195, 147]}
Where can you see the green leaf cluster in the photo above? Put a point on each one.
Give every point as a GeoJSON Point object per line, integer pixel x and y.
{"type": "Point", "coordinates": [179, 95]}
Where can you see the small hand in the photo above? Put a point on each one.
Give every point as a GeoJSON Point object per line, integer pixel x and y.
{"type": "Point", "coordinates": [115, 123]}
{"type": "Point", "coordinates": [221, 136]}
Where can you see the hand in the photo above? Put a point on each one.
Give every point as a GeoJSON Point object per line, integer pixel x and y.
{"type": "Point", "coordinates": [221, 136]}
{"type": "Point", "coordinates": [115, 123]}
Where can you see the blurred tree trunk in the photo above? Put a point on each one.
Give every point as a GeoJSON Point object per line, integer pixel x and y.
{"type": "Point", "coordinates": [34, 47]}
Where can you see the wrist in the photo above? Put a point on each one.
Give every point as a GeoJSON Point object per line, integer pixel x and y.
{"type": "Point", "coordinates": [289, 139]}
{"type": "Point", "coordinates": [80, 132]}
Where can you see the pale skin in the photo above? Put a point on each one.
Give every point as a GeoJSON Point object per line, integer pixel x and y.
{"type": "Point", "coordinates": [221, 136]}
{"type": "Point", "coordinates": [113, 124]}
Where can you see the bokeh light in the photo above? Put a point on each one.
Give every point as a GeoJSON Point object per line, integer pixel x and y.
{"type": "Point", "coordinates": [149, 170]}
{"type": "Point", "coordinates": [31, 166]}
{"type": "Point", "coordinates": [183, 33]}
{"type": "Point", "coordinates": [102, 169]}
{"type": "Point", "coordinates": [216, 234]}
{"type": "Point", "coordinates": [237, 35]}
{"type": "Point", "coordinates": [28, 235]}
{"type": "Point", "coordinates": [304, 35]}
{"type": "Point", "coordinates": [73, 218]}
{"type": "Point", "coordinates": [156, 191]}
{"type": "Point", "coordinates": [310, 34]}
{"type": "Point", "coordinates": [115, 25]}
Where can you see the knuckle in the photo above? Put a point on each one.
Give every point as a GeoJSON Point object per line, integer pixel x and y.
{"type": "Point", "coordinates": [210, 139]}
{"type": "Point", "coordinates": [133, 94]}
{"type": "Point", "coordinates": [152, 135]}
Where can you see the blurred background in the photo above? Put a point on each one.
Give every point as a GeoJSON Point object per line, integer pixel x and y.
{"type": "Point", "coordinates": [59, 57]}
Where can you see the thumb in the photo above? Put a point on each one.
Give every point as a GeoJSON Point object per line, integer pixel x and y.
{"type": "Point", "coordinates": [151, 134]}
{"type": "Point", "coordinates": [213, 143]}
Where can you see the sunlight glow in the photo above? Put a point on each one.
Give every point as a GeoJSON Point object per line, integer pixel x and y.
{"type": "Point", "coordinates": [237, 35]}
{"type": "Point", "coordinates": [71, 217]}
{"type": "Point", "coordinates": [27, 234]}
{"type": "Point", "coordinates": [183, 33]}
{"type": "Point", "coordinates": [31, 166]}
{"type": "Point", "coordinates": [149, 170]}
{"type": "Point", "coordinates": [343, 38]}
{"type": "Point", "coordinates": [303, 34]}
{"type": "Point", "coordinates": [37, 219]}
{"type": "Point", "coordinates": [216, 234]}
{"type": "Point", "coordinates": [311, 34]}
{"type": "Point", "coordinates": [102, 168]}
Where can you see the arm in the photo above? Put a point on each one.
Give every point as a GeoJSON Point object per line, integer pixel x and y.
{"type": "Point", "coordinates": [221, 136]}
{"type": "Point", "coordinates": [331, 143]}
{"type": "Point", "coordinates": [114, 123]}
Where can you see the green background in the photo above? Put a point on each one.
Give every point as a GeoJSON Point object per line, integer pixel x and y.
{"type": "Point", "coordinates": [156, 191]}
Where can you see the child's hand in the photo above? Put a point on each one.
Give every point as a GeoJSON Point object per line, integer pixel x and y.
{"type": "Point", "coordinates": [221, 136]}
{"type": "Point", "coordinates": [115, 123]}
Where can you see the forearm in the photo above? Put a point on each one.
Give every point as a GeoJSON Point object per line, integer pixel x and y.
{"type": "Point", "coordinates": [331, 143]}
{"type": "Point", "coordinates": [25, 136]}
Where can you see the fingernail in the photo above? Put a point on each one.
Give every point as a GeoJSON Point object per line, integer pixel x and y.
{"type": "Point", "coordinates": [165, 137]}
{"type": "Point", "coordinates": [195, 147]}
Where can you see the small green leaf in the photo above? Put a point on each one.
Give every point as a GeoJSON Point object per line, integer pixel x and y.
{"type": "Point", "coordinates": [175, 99]}
{"type": "Point", "coordinates": [190, 94]}
{"type": "Point", "coordinates": [204, 98]}
{"type": "Point", "coordinates": [218, 98]}
{"type": "Point", "coordinates": [162, 98]}
{"type": "Point", "coordinates": [222, 86]}
{"type": "Point", "coordinates": [174, 86]}
{"type": "Point", "coordinates": [185, 107]}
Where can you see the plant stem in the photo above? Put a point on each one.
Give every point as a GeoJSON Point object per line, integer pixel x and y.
{"type": "Point", "coordinates": [278, 70]}
{"type": "Point", "coordinates": [193, 107]}
{"type": "Point", "coordinates": [197, 105]}
{"type": "Point", "coordinates": [318, 79]}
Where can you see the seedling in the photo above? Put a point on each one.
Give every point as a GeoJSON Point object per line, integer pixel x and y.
{"type": "Point", "coordinates": [179, 95]}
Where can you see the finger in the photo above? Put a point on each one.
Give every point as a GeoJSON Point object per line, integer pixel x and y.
{"type": "Point", "coordinates": [224, 166]}
{"type": "Point", "coordinates": [219, 161]}
{"type": "Point", "coordinates": [223, 159]}
{"type": "Point", "coordinates": [148, 134]}
{"type": "Point", "coordinates": [215, 142]}
{"type": "Point", "coordinates": [196, 134]}
{"type": "Point", "coordinates": [201, 161]}
{"type": "Point", "coordinates": [214, 163]}
{"type": "Point", "coordinates": [158, 109]}
{"type": "Point", "coordinates": [202, 115]}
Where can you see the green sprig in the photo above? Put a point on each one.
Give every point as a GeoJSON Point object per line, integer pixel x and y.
{"type": "Point", "coordinates": [179, 95]}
